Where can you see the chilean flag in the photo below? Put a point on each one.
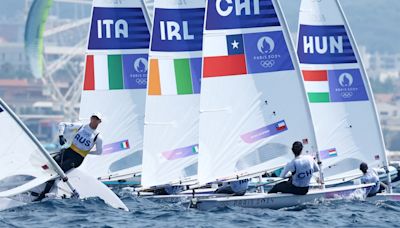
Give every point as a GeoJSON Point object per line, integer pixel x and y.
{"type": "Point", "coordinates": [281, 126]}
{"type": "Point", "coordinates": [224, 56]}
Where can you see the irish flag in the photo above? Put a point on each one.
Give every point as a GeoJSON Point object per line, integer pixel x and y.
{"type": "Point", "coordinates": [317, 86]}
{"type": "Point", "coordinates": [174, 76]}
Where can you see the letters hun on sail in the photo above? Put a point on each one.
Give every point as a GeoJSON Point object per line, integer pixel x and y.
{"type": "Point", "coordinates": [115, 85]}
{"type": "Point", "coordinates": [341, 103]}
{"type": "Point", "coordinates": [173, 94]}
{"type": "Point", "coordinates": [253, 105]}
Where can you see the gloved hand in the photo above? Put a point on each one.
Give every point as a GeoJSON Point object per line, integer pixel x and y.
{"type": "Point", "coordinates": [62, 140]}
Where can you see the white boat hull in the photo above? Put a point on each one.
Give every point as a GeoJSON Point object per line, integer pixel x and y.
{"type": "Point", "coordinates": [184, 196]}
{"type": "Point", "coordinates": [385, 197]}
{"type": "Point", "coordinates": [277, 201]}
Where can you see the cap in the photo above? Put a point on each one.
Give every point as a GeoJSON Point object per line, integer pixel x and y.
{"type": "Point", "coordinates": [98, 115]}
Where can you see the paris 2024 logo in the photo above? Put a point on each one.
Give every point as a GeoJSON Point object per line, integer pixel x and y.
{"type": "Point", "coordinates": [266, 47]}
{"type": "Point", "coordinates": [140, 66]}
{"type": "Point", "coordinates": [346, 85]}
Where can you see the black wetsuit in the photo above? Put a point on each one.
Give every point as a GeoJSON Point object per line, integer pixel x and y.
{"type": "Point", "coordinates": [288, 187]}
{"type": "Point", "coordinates": [67, 159]}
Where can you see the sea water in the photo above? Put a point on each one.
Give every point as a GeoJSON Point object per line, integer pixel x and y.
{"type": "Point", "coordinates": [146, 213]}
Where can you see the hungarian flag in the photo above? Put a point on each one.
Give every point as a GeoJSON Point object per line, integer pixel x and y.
{"type": "Point", "coordinates": [224, 56]}
{"type": "Point", "coordinates": [174, 76]}
{"type": "Point", "coordinates": [317, 86]}
{"type": "Point", "coordinates": [330, 153]}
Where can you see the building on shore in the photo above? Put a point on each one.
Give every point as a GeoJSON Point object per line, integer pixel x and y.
{"type": "Point", "coordinates": [29, 100]}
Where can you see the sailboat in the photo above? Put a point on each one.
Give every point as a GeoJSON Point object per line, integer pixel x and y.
{"type": "Point", "coordinates": [173, 94]}
{"type": "Point", "coordinates": [253, 104]}
{"type": "Point", "coordinates": [115, 85]}
{"type": "Point", "coordinates": [340, 96]}
{"type": "Point", "coordinates": [26, 167]}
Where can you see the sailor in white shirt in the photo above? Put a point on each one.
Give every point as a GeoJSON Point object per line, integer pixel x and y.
{"type": "Point", "coordinates": [85, 137]}
{"type": "Point", "coordinates": [370, 176]}
{"type": "Point", "coordinates": [302, 168]}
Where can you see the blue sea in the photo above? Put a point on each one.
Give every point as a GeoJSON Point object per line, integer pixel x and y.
{"type": "Point", "coordinates": [146, 213]}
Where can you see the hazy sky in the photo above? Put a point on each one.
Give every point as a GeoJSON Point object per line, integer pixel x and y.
{"type": "Point", "coordinates": [375, 23]}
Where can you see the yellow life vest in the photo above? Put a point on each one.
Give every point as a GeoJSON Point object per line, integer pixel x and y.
{"type": "Point", "coordinates": [83, 153]}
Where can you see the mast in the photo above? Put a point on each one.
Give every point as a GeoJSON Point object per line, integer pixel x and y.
{"type": "Point", "coordinates": [296, 64]}
{"type": "Point", "coordinates": [370, 93]}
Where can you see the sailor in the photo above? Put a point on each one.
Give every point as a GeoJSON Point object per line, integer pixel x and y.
{"type": "Point", "coordinates": [370, 176]}
{"type": "Point", "coordinates": [236, 188]}
{"type": "Point", "coordinates": [302, 168]}
{"type": "Point", "coordinates": [85, 137]}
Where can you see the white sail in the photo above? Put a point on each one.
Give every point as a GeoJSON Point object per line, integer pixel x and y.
{"type": "Point", "coordinates": [339, 93]}
{"type": "Point", "coordinates": [25, 166]}
{"type": "Point", "coordinates": [115, 85]}
{"type": "Point", "coordinates": [253, 105]}
{"type": "Point", "coordinates": [22, 165]}
{"type": "Point", "coordinates": [172, 104]}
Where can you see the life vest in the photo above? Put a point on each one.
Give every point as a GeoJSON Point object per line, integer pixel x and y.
{"type": "Point", "coordinates": [84, 140]}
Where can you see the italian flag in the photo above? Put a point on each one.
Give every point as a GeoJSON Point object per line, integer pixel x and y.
{"type": "Point", "coordinates": [125, 145]}
{"type": "Point", "coordinates": [317, 86]}
{"type": "Point", "coordinates": [174, 76]}
{"type": "Point", "coordinates": [195, 149]}
{"type": "Point", "coordinates": [103, 72]}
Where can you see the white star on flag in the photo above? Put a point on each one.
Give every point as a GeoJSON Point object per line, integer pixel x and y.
{"type": "Point", "coordinates": [235, 44]}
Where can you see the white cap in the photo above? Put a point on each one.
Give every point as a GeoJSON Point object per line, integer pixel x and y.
{"type": "Point", "coordinates": [98, 115]}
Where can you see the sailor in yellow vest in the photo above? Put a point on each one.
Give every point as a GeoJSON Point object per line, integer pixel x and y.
{"type": "Point", "coordinates": [85, 137]}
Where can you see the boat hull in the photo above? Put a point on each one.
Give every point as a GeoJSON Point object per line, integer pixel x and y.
{"type": "Point", "coordinates": [277, 201]}
{"type": "Point", "coordinates": [385, 197]}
